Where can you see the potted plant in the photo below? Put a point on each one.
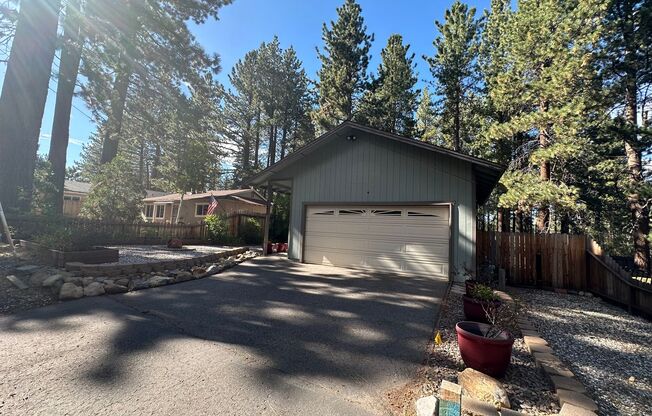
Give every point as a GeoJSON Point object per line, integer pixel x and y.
{"type": "Point", "coordinates": [476, 304]}
{"type": "Point", "coordinates": [487, 347]}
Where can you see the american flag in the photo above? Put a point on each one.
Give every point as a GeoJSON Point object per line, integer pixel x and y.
{"type": "Point", "coordinates": [212, 206]}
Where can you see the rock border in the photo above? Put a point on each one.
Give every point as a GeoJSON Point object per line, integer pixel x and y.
{"type": "Point", "coordinates": [80, 281]}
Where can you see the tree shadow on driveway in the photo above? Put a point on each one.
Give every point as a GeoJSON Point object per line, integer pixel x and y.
{"type": "Point", "coordinates": [353, 333]}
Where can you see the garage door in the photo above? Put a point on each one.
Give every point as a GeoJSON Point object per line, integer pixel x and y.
{"type": "Point", "coordinates": [401, 240]}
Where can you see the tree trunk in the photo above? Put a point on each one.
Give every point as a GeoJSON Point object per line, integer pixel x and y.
{"type": "Point", "coordinates": [116, 115]}
{"type": "Point", "coordinates": [543, 216]}
{"type": "Point", "coordinates": [156, 162]}
{"type": "Point", "coordinates": [22, 101]}
{"type": "Point", "coordinates": [271, 156]}
{"type": "Point", "coordinates": [71, 52]}
{"type": "Point", "coordinates": [637, 206]}
{"type": "Point", "coordinates": [456, 127]}
{"type": "Point", "coordinates": [257, 143]}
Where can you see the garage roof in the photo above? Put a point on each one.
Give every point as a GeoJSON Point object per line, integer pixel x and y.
{"type": "Point", "coordinates": [486, 173]}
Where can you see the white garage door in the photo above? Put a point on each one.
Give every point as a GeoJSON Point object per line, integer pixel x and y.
{"type": "Point", "coordinates": [394, 239]}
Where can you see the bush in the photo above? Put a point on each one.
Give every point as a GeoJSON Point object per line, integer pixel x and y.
{"type": "Point", "coordinates": [60, 237]}
{"type": "Point", "coordinates": [483, 293]}
{"type": "Point", "coordinates": [218, 231]}
{"type": "Point", "coordinates": [251, 231]}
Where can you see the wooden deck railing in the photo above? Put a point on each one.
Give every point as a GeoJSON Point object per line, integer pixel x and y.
{"type": "Point", "coordinates": [565, 262]}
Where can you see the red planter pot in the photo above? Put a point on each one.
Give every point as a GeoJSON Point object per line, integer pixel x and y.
{"type": "Point", "coordinates": [282, 247]}
{"type": "Point", "coordinates": [474, 310]}
{"type": "Point", "coordinates": [488, 355]}
{"type": "Point", "coordinates": [272, 247]}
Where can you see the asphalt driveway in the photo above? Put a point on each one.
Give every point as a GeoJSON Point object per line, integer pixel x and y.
{"type": "Point", "coordinates": [267, 337]}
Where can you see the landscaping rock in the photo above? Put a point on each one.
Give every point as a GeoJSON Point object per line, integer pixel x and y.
{"type": "Point", "coordinates": [70, 291]}
{"type": "Point", "coordinates": [570, 410]}
{"type": "Point", "coordinates": [87, 280]}
{"type": "Point", "coordinates": [198, 271]}
{"type": "Point", "coordinates": [212, 269]}
{"type": "Point", "coordinates": [27, 268]}
{"type": "Point", "coordinates": [483, 387]}
{"type": "Point", "coordinates": [53, 281]}
{"type": "Point", "coordinates": [138, 284]}
{"type": "Point", "coordinates": [475, 407]}
{"type": "Point", "coordinates": [73, 279]}
{"type": "Point", "coordinates": [175, 243]}
{"type": "Point", "coordinates": [113, 288]}
{"type": "Point", "coordinates": [567, 383]}
{"type": "Point", "coordinates": [426, 406]}
{"type": "Point", "coordinates": [159, 281]}
{"type": "Point", "coordinates": [94, 289]}
{"type": "Point", "coordinates": [37, 279]}
{"type": "Point", "coordinates": [122, 282]}
{"type": "Point", "coordinates": [183, 276]}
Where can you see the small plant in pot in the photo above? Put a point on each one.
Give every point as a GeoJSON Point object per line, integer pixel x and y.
{"type": "Point", "coordinates": [481, 298]}
{"type": "Point", "coordinates": [487, 347]}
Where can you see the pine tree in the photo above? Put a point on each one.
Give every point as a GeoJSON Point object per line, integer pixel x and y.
{"type": "Point", "coordinates": [454, 67]}
{"type": "Point", "coordinates": [627, 56]}
{"type": "Point", "coordinates": [427, 126]}
{"type": "Point", "coordinates": [547, 89]}
{"type": "Point", "coordinates": [392, 100]}
{"type": "Point", "coordinates": [343, 73]}
{"type": "Point", "coordinates": [22, 101]}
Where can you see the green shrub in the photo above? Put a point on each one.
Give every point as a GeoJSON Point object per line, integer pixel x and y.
{"type": "Point", "coordinates": [251, 231]}
{"type": "Point", "coordinates": [483, 293]}
{"type": "Point", "coordinates": [59, 237]}
{"type": "Point", "coordinates": [218, 231]}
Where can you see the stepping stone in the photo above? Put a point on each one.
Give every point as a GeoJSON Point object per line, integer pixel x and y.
{"type": "Point", "coordinates": [565, 383]}
{"type": "Point", "coordinates": [544, 357]}
{"type": "Point", "coordinates": [539, 348]}
{"type": "Point", "coordinates": [552, 368]}
{"type": "Point", "coordinates": [17, 282]}
{"type": "Point", "coordinates": [27, 268]}
{"type": "Point", "coordinates": [529, 333]}
{"type": "Point", "coordinates": [532, 340]}
{"type": "Point", "coordinates": [576, 399]}
{"type": "Point", "coordinates": [570, 410]}
{"type": "Point", "coordinates": [510, 412]}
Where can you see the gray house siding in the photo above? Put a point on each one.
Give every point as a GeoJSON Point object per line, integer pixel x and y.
{"type": "Point", "coordinates": [375, 170]}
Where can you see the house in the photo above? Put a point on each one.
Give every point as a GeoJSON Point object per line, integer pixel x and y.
{"type": "Point", "coordinates": [74, 194]}
{"type": "Point", "coordinates": [164, 208]}
{"type": "Point", "coordinates": [367, 199]}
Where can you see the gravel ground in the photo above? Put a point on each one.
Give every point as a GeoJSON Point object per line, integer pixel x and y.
{"type": "Point", "coordinates": [150, 254]}
{"type": "Point", "coordinates": [602, 344]}
{"type": "Point", "coordinates": [13, 299]}
{"type": "Point", "coordinates": [528, 390]}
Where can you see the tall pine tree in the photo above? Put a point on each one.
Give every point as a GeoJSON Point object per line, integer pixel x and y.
{"type": "Point", "coordinates": [454, 67]}
{"type": "Point", "coordinates": [392, 100]}
{"type": "Point", "coordinates": [343, 73]}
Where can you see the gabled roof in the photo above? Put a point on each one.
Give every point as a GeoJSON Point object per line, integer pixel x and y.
{"type": "Point", "coordinates": [76, 186]}
{"type": "Point", "coordinates": [486, 173]}
{"type": "Point", "coordinates": [217, 194]}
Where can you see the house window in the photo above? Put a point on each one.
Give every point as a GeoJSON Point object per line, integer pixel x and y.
{"type": "Point", "coordinates": [200, 210]}
{"type": "Point", "coordinates": [67, 198]}
{"type": "Point", "coordinates": [76, 198]}
{"type": "Point", "coordinates": [328, 212]}
{"type": "Point", "coordinates": [160, 211]}
{"type": "Point", "coordinates": [149, 211]}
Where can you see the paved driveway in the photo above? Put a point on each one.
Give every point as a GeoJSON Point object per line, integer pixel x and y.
{"type": "Point", "coordinates": [266, 337]}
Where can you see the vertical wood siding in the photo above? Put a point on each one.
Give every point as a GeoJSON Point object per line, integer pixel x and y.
{"type": "Point", "coordinates": [375, 169]}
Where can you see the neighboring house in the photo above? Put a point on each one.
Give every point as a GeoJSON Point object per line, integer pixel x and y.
{"type": "Point", "coordinates": [164, 208]}
{"type": "Point", "coordinates": [372, 200]}
{"type": "Point", "coordinates": [74, 194]}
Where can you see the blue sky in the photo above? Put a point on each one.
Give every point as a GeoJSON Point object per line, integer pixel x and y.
{"type": "Point", "coordinates": [244, 24]}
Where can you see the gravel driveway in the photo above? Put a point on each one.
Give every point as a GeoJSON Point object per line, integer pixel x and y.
{"type": "Point", "coordinates": [609, 350]}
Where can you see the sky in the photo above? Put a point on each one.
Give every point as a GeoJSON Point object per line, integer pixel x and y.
{"type": "Point", "coordinates": [244, 24]}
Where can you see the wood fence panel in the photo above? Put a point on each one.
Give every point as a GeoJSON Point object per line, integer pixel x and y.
{"type": "Point", "coordinates": [565, 262]}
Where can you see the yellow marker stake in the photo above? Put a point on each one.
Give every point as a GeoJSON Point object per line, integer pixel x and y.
{"type": "Point", "coordinates": [438, 338]}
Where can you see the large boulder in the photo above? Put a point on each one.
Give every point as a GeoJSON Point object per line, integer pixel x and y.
{"type": "Point", "coordinates": [70, 291]}
{"type": "Point", "coordinates": [112, 288]}
{"type": "Point", "coordinates": [53, 281]}
{"type": "Point", "coordinates": [94, 289]}
{"type": "Point", "coordinates": [159, 281]}
{"type": "Point", "coordinates": [483, 387]}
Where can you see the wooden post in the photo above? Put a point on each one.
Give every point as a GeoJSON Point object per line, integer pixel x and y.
{"type": "Point", "coordinates": [5, 229]}
{"type": "Point", "coordinates": [268, 196]}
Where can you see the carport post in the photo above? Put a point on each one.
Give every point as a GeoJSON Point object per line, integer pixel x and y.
{"type": "Point", "coordinates": [268, 197]}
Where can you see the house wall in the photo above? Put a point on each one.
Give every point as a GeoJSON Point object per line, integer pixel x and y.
{"type": "Point", "coordinates": [188, 210]}
{"type": "Point", "coordinates": [377, 170]}
{"type": "Point", "coordinates": [71, 208]}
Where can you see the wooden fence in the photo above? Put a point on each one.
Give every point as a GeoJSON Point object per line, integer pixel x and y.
{"type": "Point", "coordinates": [563, 261]}
{"type": "Point", "coordinates": [26, 227]}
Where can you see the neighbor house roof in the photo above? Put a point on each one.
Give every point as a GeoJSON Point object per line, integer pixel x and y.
{"type": "Point", "coordinates": [217, 194]}
{"type": "Point", "coordinates": [76, 186]}
{"type": "Point", "coordinates": [487, 173]}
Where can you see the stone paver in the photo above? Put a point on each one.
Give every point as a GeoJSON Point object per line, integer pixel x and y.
{"type": "Point", "coordinates": [576, 399]}
{"type": "Point", "coordinates": [570, 410]}
{"type": "Point", "coordinates": [567, 383]}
